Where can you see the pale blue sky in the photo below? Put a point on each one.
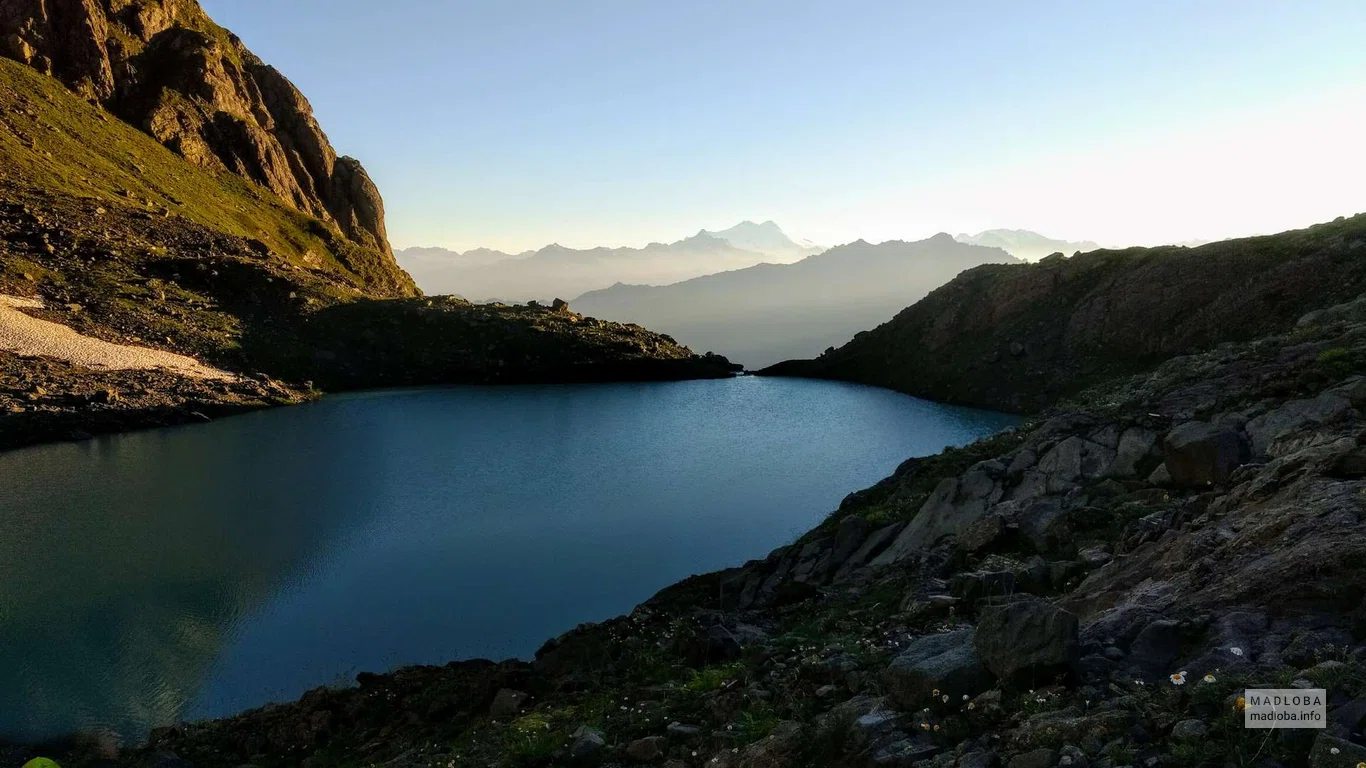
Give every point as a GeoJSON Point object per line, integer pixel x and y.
{"type": "Point", "coordinates": [514, 123]}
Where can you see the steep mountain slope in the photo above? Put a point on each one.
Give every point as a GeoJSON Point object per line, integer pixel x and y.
{"type": "Point", "coordinates": [556, 271]}
{"type": "Point", "coordinates": [105, 231]}
{"type": "Point", "coordinates": [771, 312]}
{"type": "Point", "coordinates": [1020, 337]}
{"type": "Point", "coordinates": [167, 68]}
{"type": "Point", "coordinates": [1027, 245]}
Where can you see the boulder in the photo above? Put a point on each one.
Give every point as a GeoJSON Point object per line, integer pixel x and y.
{"type": "Point", "coordinates": [1026, 641]}
{"type": "Point", "coordinates": [1038, 758]}
{"type": "Point", "coordinates": [1134, 445]}
{"type": "Point", "coordinates": [1294, 415]}
{"type": "Point", "coordinates": [682, 729]}
{"type": "Point", "coordinates": [506, 703]}
{"type": "Point", "coordinates": [1094, 557]}
{"type": "Point", "coordinates": [948, 662]}
{"type": "Point", "coordinates": [1046, 525]}
{"type": "Point", "coordinates": [954, 504]}
{"type": "Point", "coordinates": [1201, 454]}
{"type": "Point", "coordinates": [982, 534]}
{"type": "Point", "coordinates": [978, 760]}
{"type": "Point", "coordinates": [586, 744]}
{"type": "Point", "coordinates": [1332, 752]}
{"type": "Point", "coordinates": [975, 585]}
{"type": "Point", "coordinates": [1156, 646]}
{"type": "Point", "coordinates": [646, 750]}
{"type": "Point", "coordinates": [871, 547]}
{"type": "Point", "coordinates": [1189, 730]}
{"type": "Point", "coordinates": [1073, 460]}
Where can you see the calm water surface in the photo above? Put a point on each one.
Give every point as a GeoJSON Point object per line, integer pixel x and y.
{"type": "Point", "coordinates": [198, 571]}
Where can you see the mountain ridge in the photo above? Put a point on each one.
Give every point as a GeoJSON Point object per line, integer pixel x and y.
{"type": "Point", "coordinates": [1026, 244]}
{"type": "Point", "coordinates": [763, 313]}
{"type": "Point", "coordinates": [557, 271]}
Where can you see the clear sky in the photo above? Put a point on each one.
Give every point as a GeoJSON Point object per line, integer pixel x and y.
{"type": "Point", "coordinates": [515, 123]}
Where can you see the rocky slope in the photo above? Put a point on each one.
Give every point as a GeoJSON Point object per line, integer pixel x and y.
{"type": "Point", "coordinates": [1093, 589]}
{"type": "Point", "coordinates": [1019, 337]}
{"type": "Point", "coordinates": [121, 240]}
{"type": "Point", "coordinates": [165, 67]}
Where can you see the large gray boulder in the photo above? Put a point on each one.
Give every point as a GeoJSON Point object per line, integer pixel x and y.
{"type": "Point", "coordinates": [955, 503]}
{"type": "Point", "coordinates": [1295, 415]}
{"type": "Point", "coordinates": [1134, 445]}
{"type": "Point", "coordinates": [1073, 460]}
{"type": "Point", "coordinates": [947, 661]}
{"type": "Point", "coordinates": [1026, 641]}
{"type": "Point", "coordinates": [1200, 454]}
{"type": "Point", "coordinates": [587, 744]}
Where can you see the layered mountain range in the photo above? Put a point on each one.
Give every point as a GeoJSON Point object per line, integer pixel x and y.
{"type": "Point", "coordinates": [556, 271]}
{"type": "Point", "coordinates": [770, 312]}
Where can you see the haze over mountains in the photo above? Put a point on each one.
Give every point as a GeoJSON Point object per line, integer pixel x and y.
{"type": "Point", "coordinates": [771, 312]}
{"type": "Point", "coordinates": [556, 271]}
{"type": "Point", "coordinates": [1027, 245]}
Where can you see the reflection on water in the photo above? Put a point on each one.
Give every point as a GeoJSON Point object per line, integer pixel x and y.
{"type": "Point", "coordinates": [197, 571]}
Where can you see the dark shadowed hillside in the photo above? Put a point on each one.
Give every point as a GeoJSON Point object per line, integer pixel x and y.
{"type": "Point", "coordinates": [770, 312]}
{"type": "Point", "coordinates": [1019, 337]}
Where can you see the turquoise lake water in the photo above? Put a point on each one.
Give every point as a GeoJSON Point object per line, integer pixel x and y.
{"type": "Point", "coordinates": [199, 571]}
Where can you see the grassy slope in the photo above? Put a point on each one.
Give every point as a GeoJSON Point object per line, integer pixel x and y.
{"type": "Point", "coordinates": [52, 141]}
{"type": "Point", "coordinates": [1020, 337]}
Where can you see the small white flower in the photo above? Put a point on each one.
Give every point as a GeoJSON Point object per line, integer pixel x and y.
{"type": "Point", "coordinates": [1179, 678]}
{"type": "Point", "coordinates": [1209, 678]}
{"type": "Point", "coordinates": [1236, 651]}
{"type": "Point", "coordinates": [1334, 750]}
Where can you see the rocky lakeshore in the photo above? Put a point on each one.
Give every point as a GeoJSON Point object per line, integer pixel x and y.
{"type": "Point", "coordinates": [1095, 588]}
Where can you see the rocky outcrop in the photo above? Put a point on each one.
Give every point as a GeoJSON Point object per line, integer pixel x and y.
{"type": "Point", "coordinates": [1201, 454]}
{"type": "Point", "coordinates": [944, 662]}
{"type": "Point", "coordinates": [166, 68]}
{"type": "Point", "coordinates": [1022, 337]}
{"type": "Point", "coordinates": [1026, 641]}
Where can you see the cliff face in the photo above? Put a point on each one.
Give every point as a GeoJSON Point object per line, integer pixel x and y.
{"type": "Point", "coordinates": [1020, 337]}
{"type": "Point", "coordinates": [166, 68]}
